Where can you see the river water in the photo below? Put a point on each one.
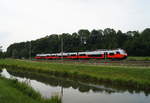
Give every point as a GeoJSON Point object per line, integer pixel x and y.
{"type": "Point", "coordinates": [78, 92]}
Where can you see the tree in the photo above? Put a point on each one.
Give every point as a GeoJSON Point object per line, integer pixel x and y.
{"type": "Point", "coordinates": [110, 38]}
{"type": "Point", "coordinates": [1, 53]}
{"type": "Point", "coordinates": [121, 39]}
{"type": "Point", "coordinates": [95, 40]}
{"type": "Point", "coordinates": [132, 43]}
{"type": "Point", "coordinates": [24, 53]}
{"type": "Point", "coordinates": [144, 41]}
{"type": "Point", "coordinates": [136, 44]}
{"type": "Point", "coordinates": [83, 36]}
{"type": "Point", "coordinates": [15, 53]}
{"type": "Point", "coordinates": [67, 42]}
{"type": "Point", "coordinates": [75, 42]}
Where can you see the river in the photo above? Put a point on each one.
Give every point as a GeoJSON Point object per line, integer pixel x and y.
{"type": "Point", "coordinates": [78, 92]}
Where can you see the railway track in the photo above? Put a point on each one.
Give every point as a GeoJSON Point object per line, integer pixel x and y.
{"type": "Point", "coordinates": [103, 62]}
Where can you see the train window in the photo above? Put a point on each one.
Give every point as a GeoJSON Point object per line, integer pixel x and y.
{"type": "Point", "coordinates": [117, 52]}
{"type": "Point", "coordinates": [64, 55]}
{"type": "Point", "coordinates": [95, 55]}
{"type": "Point", "coordinates": [73, 54]}
{"type": "Point", "coordinates": [111, 54]}
{"type": "Point", "coordinates": [82, 55]}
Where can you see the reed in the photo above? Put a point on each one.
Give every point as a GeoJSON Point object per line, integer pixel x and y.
{"type": "Point", "coordinates": [13, 91]}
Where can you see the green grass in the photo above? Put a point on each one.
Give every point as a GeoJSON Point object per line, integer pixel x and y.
{"type": "Point", "coordinates": [138, 58]}
{"type": "Point", "coordinates": [137, 77]}
{"type": "Point", "coordinates": [12, 91]}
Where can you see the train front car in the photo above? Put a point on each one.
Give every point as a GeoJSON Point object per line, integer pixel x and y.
{"type": "Point", "coordinates": [121, 54]}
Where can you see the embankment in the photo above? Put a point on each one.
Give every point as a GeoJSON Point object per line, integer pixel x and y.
{"type": "Point", "coordinates": [132, 77]}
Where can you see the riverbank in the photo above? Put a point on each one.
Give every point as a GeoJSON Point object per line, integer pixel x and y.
{"type": "Point", "coordinates": [133, 77]}
{"type": "Point", "coordinates": [13, 91]}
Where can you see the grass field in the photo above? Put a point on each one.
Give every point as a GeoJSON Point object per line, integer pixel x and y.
{"type": "Point", "coordinates": [138, 58]}
{"type": "Point", "coordinates": [137, 77]}
{"type": "Point", "coordinates": [11, 91]}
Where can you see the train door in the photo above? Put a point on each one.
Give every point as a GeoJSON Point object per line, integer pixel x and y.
{"type": "Point", "coordinates": [105, 55]}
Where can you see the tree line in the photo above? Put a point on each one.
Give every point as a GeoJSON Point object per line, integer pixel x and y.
{"type": "Point", "coordinates": [2, 54]}
{"type": "Point", "coordinates": [134, 42]}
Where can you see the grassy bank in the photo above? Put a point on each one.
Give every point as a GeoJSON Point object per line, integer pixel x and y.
{"type": "Point", "coordinates": [136, 77]}
{"type": "Point", "coordinates": [13, 91]}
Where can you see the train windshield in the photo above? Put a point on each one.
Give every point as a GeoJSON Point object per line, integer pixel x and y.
{"type": "Point", "coordinates": [124, 52]}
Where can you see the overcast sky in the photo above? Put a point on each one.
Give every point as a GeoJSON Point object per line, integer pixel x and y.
{"type": "Point", "coordinates": [24, 20]}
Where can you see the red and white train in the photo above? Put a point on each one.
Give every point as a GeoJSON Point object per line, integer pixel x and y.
{"type": "Point", "coordinates": [98, 54]}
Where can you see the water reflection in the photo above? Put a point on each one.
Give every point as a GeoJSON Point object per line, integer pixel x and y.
{"type": "Point", "coordinates": [45, 90]}
{"type": "Point", "coordinates": [76, 91]}
{"type": "Point", "coordinates": [77, 84]}
{"type": "Point", "coordinates": [66, 83]}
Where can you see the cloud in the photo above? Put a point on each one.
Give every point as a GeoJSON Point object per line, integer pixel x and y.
{"type": "Point", "coordinates": [31, 19]}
